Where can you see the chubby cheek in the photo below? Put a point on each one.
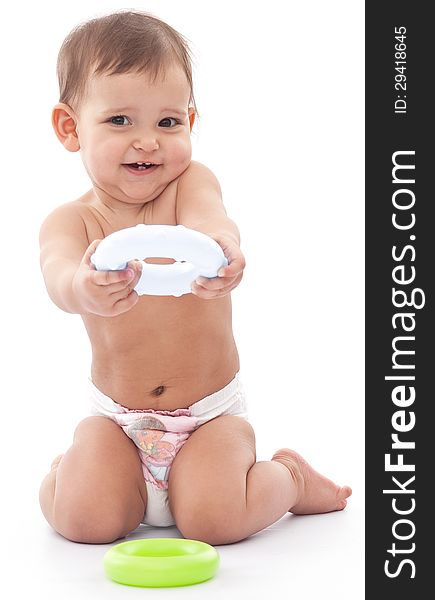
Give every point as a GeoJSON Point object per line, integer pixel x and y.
{"type": "Point", "coordinates": [179, 154]}
{"type": "Point", "coordinates": [103, 159]}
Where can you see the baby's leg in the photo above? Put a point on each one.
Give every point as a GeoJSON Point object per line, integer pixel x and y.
{"type": "Point", "coordinates": [95, 493]}
{"type": "Point", "coordinates": [219, 494]}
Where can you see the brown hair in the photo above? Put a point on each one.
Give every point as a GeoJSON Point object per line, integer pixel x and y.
{"type": "Point", "coordinates": [122, 42]}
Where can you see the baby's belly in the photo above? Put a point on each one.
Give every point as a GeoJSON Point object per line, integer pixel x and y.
{"type": "Point", "coordinates": [165, 353]}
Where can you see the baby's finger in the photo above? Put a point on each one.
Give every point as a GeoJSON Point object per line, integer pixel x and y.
{"type": "Point", "coordinates": [235, 267]}
{"type": "Point", "coordinates": [122, 287]}
{"type": "Point", "coordinates": [125, 303]}
{"type": "Point", "coordinates": [112, 277]}
{"type": "Point", "coordinates": [136, 266]}
{"type": "Point", "coordinates": [215, 283]}
{"type": "Point", "coordinates": [204, 294]}
{"type": "Point", "coordinates": [86, 260]}
{"type": "Point", "coordinates": [209, 294]}
{"type": "Point", "coordinates": [121, 293]}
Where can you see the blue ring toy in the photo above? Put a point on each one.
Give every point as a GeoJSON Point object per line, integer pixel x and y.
{"type": "Point", "coordinates": [161, 562]}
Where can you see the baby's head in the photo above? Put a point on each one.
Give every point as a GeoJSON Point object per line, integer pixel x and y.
{"type": "Point", "coordinates": [126, 102]}
{"type": "Point", "coordinates": [122, 42]}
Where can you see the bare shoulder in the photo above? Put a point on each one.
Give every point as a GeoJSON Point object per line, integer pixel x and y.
{"type": "Point", "coordinates": [199, 195]}
{"type": "Point", "coordinates": [198, 172]}
{"type": "Point", "coordinates": [64, 219]}
{"type": "Point", "coordinates": [64, 231]}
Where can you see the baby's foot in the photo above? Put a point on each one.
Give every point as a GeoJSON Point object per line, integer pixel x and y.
{"type": "Point", "coordinates": [317, 494]}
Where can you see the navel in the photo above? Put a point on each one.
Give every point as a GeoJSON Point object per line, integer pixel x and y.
{"type": "Point", "coordinates": [158, 391]}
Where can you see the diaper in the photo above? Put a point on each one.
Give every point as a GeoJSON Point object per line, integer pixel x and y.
{"type": "Point", "coordinates": [159, 435]}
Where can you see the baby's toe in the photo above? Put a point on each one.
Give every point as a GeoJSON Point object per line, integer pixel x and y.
{"type": "Point", "coordinates": [56, 462]}
{"type": "Point", "coordinates": [343, 493]}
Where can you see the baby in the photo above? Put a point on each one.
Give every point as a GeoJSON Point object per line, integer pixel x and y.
{"type": "Point", "coordinates": [168, 441]}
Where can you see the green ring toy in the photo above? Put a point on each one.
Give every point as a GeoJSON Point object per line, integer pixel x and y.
{"type": "Point", "coordinates": [161, 562]}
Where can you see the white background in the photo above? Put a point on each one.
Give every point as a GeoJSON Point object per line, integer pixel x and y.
{"type": "Point", "coordinates": [279, 88]}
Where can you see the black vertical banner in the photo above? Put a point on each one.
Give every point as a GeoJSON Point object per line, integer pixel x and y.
{"type": "Point", "coordinates": [400, 307]}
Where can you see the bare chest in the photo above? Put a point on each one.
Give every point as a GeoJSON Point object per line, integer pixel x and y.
{"type": "Point", "coordinates": [101, 220]}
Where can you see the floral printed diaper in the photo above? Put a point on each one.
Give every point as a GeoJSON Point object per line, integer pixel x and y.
{"type": "Point", "coordinates": [159, 435]}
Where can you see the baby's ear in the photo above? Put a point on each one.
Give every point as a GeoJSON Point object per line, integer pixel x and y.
{"type": "Point", "coordinates": [64, 123]}
{"type": "Point", "coordinates": [192, 115]}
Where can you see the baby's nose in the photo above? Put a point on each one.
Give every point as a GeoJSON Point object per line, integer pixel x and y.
{"type": "Point", "coordinates": [147, 143]}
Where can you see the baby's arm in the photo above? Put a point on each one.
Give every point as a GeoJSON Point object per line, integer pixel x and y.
{"type": "Point", "coordinates": [71, 279]}
{"type": "Point", "coordinates": [200, 207]}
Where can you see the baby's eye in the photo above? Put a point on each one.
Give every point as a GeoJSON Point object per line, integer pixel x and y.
{"type": "Point", "coordinates": [119, 120]}
{"type": "Point", "coordinates": [169, 122]}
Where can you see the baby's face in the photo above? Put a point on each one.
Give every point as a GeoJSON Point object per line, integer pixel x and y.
{"type": "Point", "coordinates": [126, 121]}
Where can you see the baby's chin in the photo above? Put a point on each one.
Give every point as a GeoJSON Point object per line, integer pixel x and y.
{"type": "Point", "coordinates": [121, 194]}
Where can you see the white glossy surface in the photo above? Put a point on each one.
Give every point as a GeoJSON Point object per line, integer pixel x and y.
{"type": "Point", "coordinates": [195, 253]}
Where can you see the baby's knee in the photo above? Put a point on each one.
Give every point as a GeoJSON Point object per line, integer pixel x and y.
{"type": "Point", "coordinates": [94, 427]}
{"type": "Point", "coordinates": [211, 526]}
{"type": "Point", "coordinates": [82, 523]}
{"type": "Point", "coordinates": [211, 534]}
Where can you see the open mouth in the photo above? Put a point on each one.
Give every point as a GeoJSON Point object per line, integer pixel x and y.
{"type": "Point", "coordinates": [141, 166]}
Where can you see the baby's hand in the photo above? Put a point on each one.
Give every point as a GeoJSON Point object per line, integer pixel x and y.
{"type": "Point", "coordinates": [105, 293]}
{"type": "Point", "coordinates": [228, 277]}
